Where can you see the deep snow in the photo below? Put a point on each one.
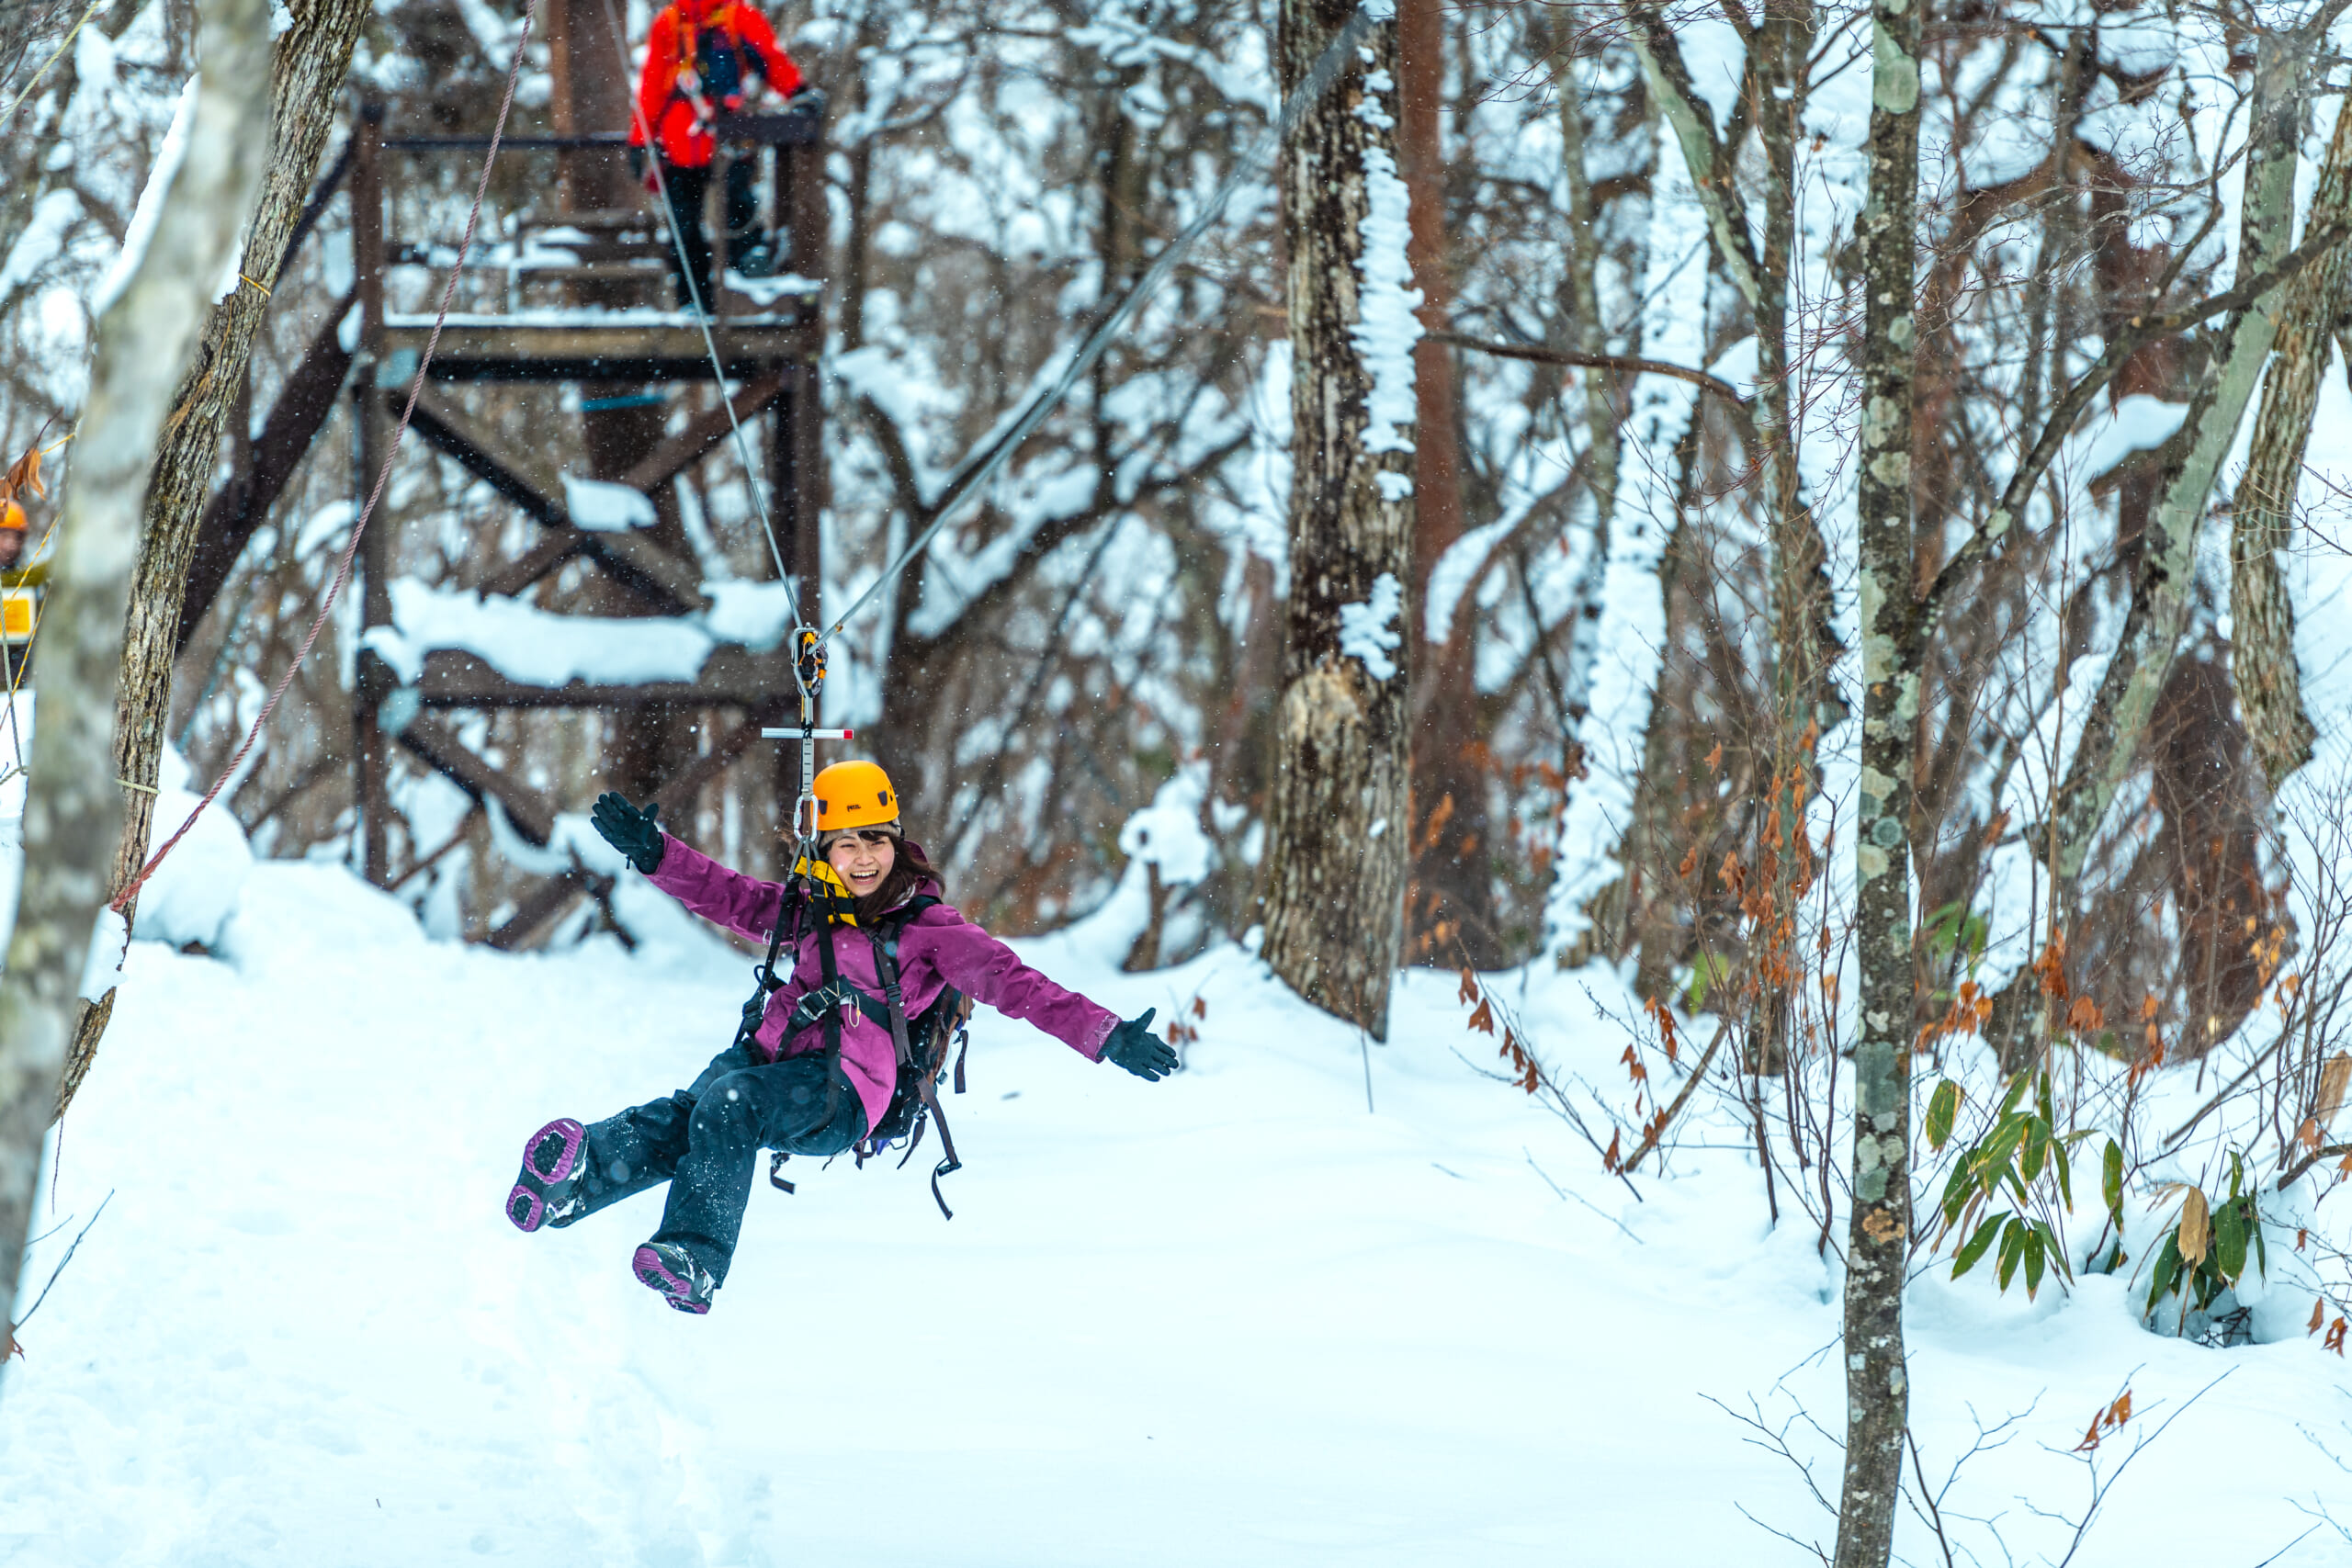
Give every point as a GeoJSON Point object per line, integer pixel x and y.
{"type": "Point", "coordinates": [1230, 1318]}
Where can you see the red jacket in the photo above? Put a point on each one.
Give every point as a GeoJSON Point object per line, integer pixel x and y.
{"type": "Point", "coordinates": [671, 96]}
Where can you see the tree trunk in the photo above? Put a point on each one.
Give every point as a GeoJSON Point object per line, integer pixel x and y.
{"type": "Point", "coordinates": [73, 807]}
{"type": "Point", "coordinates": [307, 70]}
{"type": "Point", "coordinates": [2262, 615]}
{"type": "Point", "coordinates": [1630, 650]}
{"type": "Point", "coordinates": [1451, 905]}
{"type": "Point", "coordinates": [1337, 851]}
{"type": "Point", "coordinates": [1879, 1225]}
{"type": "Point", "coordinates": [2164, 585]}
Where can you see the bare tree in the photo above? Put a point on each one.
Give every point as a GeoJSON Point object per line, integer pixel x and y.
{"type": "Point", "coordinates": [73, 810]}
{"type": "Point", "coordinates": [308, 67]}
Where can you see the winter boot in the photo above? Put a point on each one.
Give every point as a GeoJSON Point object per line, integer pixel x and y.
{"type": "Point", "coordinates": [548, 1189]}
{"type": "Point", "coordinates": [670, 1268]}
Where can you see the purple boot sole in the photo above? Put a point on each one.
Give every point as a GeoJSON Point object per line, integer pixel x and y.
{"type": "Point", "coordinates": [667, 1268]}
{"type": "Point", "coordinates": [549, 1182]}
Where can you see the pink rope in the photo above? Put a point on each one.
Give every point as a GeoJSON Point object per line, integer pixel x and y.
{"type": "Point", "coordinates": [350, 551]}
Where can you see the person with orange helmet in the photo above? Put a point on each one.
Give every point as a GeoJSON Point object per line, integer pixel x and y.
{"type": "Point", "coordinates": [822, 1063]}
{"type": "Point", "coordinates": [22, 584]}
{"type": "Point", "coordinates": [699, 59]}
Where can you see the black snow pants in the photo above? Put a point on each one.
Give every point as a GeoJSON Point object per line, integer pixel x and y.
{"type": "Point", "coordinates": [705, 1142]}
{"type": "Point", "coordinates": [739, 204]}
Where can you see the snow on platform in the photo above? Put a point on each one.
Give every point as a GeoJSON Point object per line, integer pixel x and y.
{"type": "Point", "coordinates": [1232, 1319]}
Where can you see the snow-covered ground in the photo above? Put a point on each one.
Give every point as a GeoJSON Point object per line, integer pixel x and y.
{"type": "Point", "coordinates": [1232, 1318]}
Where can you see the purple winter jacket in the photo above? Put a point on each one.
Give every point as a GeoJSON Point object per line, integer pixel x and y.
{"type": "Point", "coordinates": [939, 948]}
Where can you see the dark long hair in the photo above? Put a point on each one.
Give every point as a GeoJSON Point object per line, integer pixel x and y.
{"type": "Point", "coordinates": [909, 867]}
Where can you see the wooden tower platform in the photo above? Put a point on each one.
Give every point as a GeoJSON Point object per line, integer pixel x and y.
{"type": "Point", "coordinates": [611, 334]}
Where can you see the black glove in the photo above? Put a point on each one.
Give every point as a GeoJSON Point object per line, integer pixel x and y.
{"type": "Point", "coordinates": [1135, 1048]}
{"type": "Point", "coordinates": [808, 100]}
{"type": "Point", "coordinates": [634, 833]}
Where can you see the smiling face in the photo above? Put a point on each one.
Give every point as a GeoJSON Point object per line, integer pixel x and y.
{"type": "Point", "coordinates": [863, 856]}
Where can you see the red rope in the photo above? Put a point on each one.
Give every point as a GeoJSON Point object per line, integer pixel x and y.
{"type": "Point", "coordinates": [350, 551]}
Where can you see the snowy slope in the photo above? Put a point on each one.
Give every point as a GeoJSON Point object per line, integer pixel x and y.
{"type": "Point", "coordinates": [1230, 1318]}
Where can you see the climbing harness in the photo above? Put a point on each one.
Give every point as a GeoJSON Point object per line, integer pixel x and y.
{"type": "Point", "coordinates": [920, 1046]}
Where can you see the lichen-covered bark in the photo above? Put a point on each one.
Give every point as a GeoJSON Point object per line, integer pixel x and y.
{"type": "Point", "coordinates": [2262, 616]}
{"type": "Point", "coordinates": [73, 807]}
{"type": "Point", "coordinates": [1337, 849]}
{"type": "Point", "coordinates": [307, 70]}
{"type": "Point", "coordinates": [1879, 1223]}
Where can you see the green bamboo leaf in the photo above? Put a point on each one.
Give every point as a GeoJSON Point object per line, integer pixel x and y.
{"type": "Point", "coordinates": [2112, 1181]}
{"type": "Point", "coordinates": [2002, 1147]}
{"type": "Point", "coordinates": [1957, 1190]}
{"type": "Point", "coordinates": [2167, 1271]}
{"type": "Point", "coordinates": [2063, 1158]}
{"type": "Point", "coordinates": [2018, 1086]}
{"type": "Point", "coordinates": [2229, 1242]}
{"type": "Point", "coordinates": [2034, 1263]}
{"type": "Point", "coordinates": [1943, 1111]}
{"type": "Point", "coordinates": [2035, 1152]}
{"type": "Point", "coordinates": [2057, 1252]}
{"type": "Point", "coordinates": [2043, 1099]}
{"type": "Point", "coordinates": [2261, 1248]}
{"type": "Point", "coordinates": [1974, 1251]}
{"type": "Point", "coordinates": [2013, 1242]}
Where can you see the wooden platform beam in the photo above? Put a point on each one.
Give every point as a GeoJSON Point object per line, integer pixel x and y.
{"type": "Point", "coordinates": [671, 585]}
{"type": "Point", "coordinates": [732, 677]}
{"type": "Point", "coordinates": [431, 741]}
{"type": "Point", "coordinates": [707, 431]}
{"type": "Point", "coordinates": [555, 895]}
{"type": "Point", "coordinates": [304, 406]}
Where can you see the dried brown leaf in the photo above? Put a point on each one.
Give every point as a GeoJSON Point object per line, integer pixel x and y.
{"type": "Point", "coordinates": [2195, 1228]}
{"type": "Point", "coordinates": [2335, 1079]}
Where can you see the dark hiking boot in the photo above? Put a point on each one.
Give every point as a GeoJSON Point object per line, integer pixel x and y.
{"type": "Point", "coordinates": [548, 1192]}
{"type": "Point", "coordinates": [666, 1266]}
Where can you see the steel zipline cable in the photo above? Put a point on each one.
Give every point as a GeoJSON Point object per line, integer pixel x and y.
{"type": "Point", "coordinates": [693, 297]}
{"type": "Point", "coordinates": [978, 469]}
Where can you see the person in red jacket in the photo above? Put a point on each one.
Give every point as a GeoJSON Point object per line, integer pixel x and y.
{"type": "Point", "coordinates": [698, 61]}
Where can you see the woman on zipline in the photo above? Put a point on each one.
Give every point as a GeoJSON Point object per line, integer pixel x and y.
{"type": "Point", "coordinates": [821, 1066]}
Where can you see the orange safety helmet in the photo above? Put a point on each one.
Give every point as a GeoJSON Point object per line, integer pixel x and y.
{"type": "Point", "coordinates": [13, 516]}
{"type": "Point", "coordinates": [855, 794]}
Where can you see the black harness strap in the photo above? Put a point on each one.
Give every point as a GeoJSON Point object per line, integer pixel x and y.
{"type": "Point", "coordinates": [885, 964]}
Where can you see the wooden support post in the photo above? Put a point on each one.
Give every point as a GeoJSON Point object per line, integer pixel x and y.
{"type": "Point", "coordinates": [374, 681]}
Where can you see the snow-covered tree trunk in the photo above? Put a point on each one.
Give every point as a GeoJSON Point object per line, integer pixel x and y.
{"type": "Point", "coordinates": [1337, 846]}
{"type": "Point", "coordinates": [1629, 646]}
{"type": "Point", "coordinates": [2262, 614]}
{"type": "Point", "coordinates": [1879, 1221]}
{"type": "Point", "coordinates": [310, 65]}
{"type": "Point", "coordinates": [177, 250]}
